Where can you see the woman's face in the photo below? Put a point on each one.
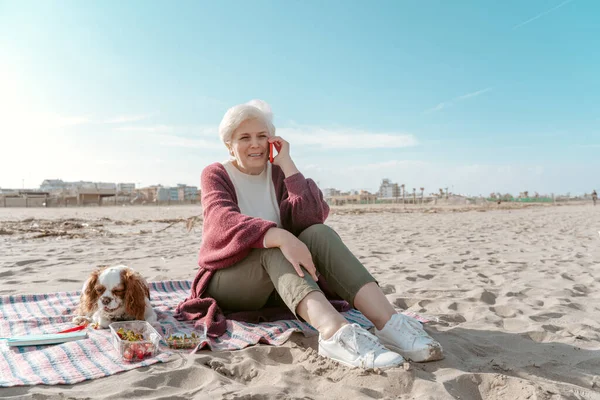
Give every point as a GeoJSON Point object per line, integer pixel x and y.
{"type": "Point", "coordinates": [250, 147]}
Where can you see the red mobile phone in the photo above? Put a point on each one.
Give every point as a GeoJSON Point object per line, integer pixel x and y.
{"type": "Point", "coordinates": [271, 152]}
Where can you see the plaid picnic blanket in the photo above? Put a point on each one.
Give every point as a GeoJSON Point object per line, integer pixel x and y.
{"type": "Point", "coordinates": [95, 357]}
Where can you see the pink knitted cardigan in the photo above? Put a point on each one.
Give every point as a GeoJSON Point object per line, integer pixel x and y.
{"type": "Point", "coordinates": [228, 236]}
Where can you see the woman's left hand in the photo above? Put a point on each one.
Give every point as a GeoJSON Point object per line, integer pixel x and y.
{"type": "Point", "coordinates": [283, 151]}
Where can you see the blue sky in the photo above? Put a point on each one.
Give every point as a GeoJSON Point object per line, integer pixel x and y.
{"type": "Point", "coordinates": [478, 96]}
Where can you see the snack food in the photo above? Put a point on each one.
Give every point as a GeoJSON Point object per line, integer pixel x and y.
{"type": "Point", "coordinates": [181, 340]}
{"type": "Point", "coordinates": [135, 340]}
{"type": "Point", "coordinates": [129, 335]}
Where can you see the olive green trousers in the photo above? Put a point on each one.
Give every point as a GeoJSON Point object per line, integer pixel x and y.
{"type": "Point", "coordinates": [266, 278]}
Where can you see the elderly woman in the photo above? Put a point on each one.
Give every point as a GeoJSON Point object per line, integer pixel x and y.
{"type": "Point", "coordinates": [264, 243]}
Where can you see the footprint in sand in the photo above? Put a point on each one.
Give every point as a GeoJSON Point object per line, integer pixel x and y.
{"type": "Point", "coordinates": [426, 276]}
{"type": "Point", "coordinates": [405, 303]}
{"type": "Point", "coordinates": [546, 316]}
{"type": "Point", "coordinates": [581, 288]}
{"type": "Point", "coordinates": [25, 262]}
{"type": "Point", "coordinates": [552, 328]}
{"type": "Point", "coordinates": [452, 319]}
{"type": "Point", "coordinates": [576, 306]}
{"type": "Point", "coordinates": [436, 266]}
{"type": "Point", "coordinates": [380, 252]}
{"type": "Point", "coordinates": [488, 297]}
{"type": "Point", "coordinates": [567, 276]}
{"type": "Point", "coordinates": [388, 289]}
{"type": "Point", "coordinates": [504, 311]}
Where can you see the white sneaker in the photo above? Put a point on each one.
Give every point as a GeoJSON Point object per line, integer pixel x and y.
{"type": "Point", "coordinates": [405, 335]}
{"type": "Point", "coordinates": [354, 346]}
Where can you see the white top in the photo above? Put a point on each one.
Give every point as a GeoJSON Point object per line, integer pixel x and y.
{"type": "Point", "coordinates": [255, 193]}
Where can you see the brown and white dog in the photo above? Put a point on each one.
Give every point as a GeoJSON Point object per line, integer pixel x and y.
{"type": "Point", "coordinates": [114, 294]}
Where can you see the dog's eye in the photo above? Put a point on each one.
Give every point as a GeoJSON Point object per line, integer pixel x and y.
{"type": "Point", "coordinates": [118, 292]}
{"type": "Point", "coordinates": [99, 290]}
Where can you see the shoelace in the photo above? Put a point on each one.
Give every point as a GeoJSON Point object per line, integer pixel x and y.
{"type": "Point", "coordinates": [410, 326]}
{"type": "Point", "coordinates": [361, 338]}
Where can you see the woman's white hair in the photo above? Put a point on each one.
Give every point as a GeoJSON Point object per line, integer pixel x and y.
{"type": "Point", "coordinates": [254, 109]}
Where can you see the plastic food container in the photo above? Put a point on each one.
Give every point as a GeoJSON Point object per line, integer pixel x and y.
{"type": "Point", "coordinates": [144, 343]}
{"type": "Point", "coordinates": [181, 340]}
{"type": "Point", "coordinates": [184, 339]}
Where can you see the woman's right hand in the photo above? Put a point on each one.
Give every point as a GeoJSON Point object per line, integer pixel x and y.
{"type": "Point", "coordinates": [296, 252]}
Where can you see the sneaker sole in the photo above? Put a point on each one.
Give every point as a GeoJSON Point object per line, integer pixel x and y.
{"type": "Point", "coordinates": [356, 366]}
{"type": "Point", "coordinates": [431, 353]}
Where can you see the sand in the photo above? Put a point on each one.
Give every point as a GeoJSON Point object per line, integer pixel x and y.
{"type": "Point", "coordinates": [514, 294]}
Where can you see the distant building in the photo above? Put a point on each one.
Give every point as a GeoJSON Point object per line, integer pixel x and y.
{"type": "Point", "coordinates": [149, 193]}
{"type": "Point", "coordinates": [174, 194]}
{"type": "Point", "coordinates": [187, 192]}
{"type": "Point", "coordinates": [122, 190]}
{"type": "Point", "coordinates": [74, 186]}
{"type": "Point", "coordinates": [58, 185]}
{"type": "Point", "coordinates": [387, 189]}
{"type": "Point", "coordinates": [163, 194]}
{"type": "Point", "coordinates": [105, 185]}
{"type": "Point", "coordinates": [125, 187]}
{"type": "Point", "coordinates": [52, 185]}
{"type": "Point", "coordinates": [330, 192]}
{"type": "Point", "coordinates": [357, 197]}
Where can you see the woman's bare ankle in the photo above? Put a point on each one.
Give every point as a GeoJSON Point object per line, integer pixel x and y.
{"type": "Point", "coordinates": [315, 309]}
{"type": "Point", "coordinates": [328, 331]}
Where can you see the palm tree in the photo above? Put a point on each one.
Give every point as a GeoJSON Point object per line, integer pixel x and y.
{"type": "Point", "coordinates": [422, 190]}
{"type": "Point", "coordinates": [414, 196]}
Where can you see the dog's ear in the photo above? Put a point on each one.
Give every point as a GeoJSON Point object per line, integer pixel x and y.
{"type": "Point", "coordinates": [135, 293]}
{"type": "Point", "coordinates": [89, 297]}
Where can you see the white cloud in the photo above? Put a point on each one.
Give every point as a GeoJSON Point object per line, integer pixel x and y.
{"type": "Point", "coordinates": [345, 138]}
{"type": "Point", "coordinates": [146, 129]}
{"type": "Point", "coordinates": [386, 165]}
{"type": "Point", "coordinates": [189, 131]}
{"type": "Point", "coordinates": [127, 118]}
{"type": "Point", "coordinates": [184, 142]}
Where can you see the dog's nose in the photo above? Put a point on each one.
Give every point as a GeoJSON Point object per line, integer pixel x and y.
{"type": "Point", "coordinates": [105, 300]}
